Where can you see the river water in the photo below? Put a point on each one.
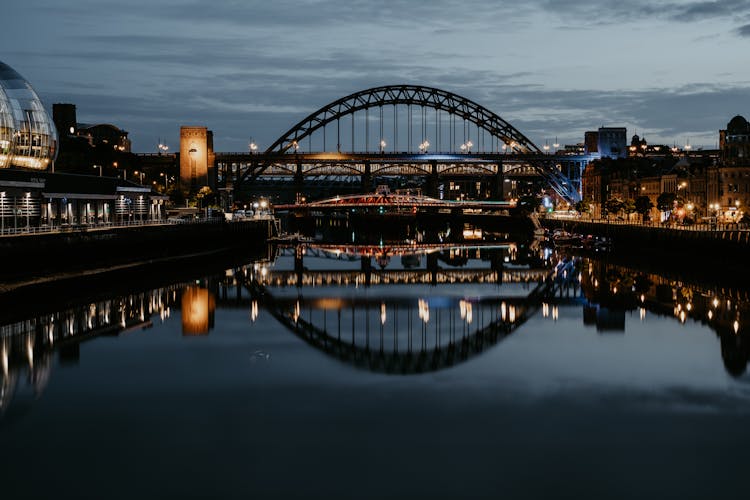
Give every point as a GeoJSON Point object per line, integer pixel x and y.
{"type": "Point", "coordinates": [382, 372]}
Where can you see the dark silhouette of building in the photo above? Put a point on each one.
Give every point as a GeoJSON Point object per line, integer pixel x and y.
{"type": "Point", "coordinates": [734, 143]}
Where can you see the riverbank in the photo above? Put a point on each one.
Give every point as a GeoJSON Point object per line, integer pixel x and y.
{"type": "Point", "coordinates": [38, 261]}
{"type": "Point", "coordinates": [718, 257]}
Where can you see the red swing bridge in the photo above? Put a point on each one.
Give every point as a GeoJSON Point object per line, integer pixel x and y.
{"type": "Point", "coordinates": [383, 200]}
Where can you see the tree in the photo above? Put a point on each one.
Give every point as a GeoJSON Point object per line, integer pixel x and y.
{"type": "Point", "coordinates": [628, 206]}
{"type": "Point", "coordinates": [204, 194]}
{"type": "Point", "coordinates": [614, 205]}
{"type": "Point", "coordinates": [665, 201]}
{"type": "Point", "coordinates": [643, 206]}
{"type": "Point", "coordinates": [582, 207]}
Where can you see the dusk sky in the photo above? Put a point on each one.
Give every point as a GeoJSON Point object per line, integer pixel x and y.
{"type": "Point", "coordinates": [673, 71]}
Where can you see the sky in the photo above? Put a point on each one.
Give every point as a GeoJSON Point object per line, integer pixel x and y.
{"type": "Point", "coordinates": [675, 71]}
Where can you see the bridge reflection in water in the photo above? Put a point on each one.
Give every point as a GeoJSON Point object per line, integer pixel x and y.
{"type": "Point", "coordinates": [394, 319]}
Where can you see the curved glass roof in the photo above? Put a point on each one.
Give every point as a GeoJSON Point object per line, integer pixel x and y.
{"type": "Point", "coordinates": [28, 137]}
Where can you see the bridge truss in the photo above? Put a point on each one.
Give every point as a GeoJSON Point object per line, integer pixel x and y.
{"type": "Point", "coordinates": [469, 140]}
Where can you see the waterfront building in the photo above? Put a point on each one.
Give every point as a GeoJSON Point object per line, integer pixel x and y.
{"type": "Point", "coordinates": [734, 143]}
{"type": "Point", "coordinates": [28, 137]}
{"type": "Point", "coordinates": [32, 195]}
{"type": "Point", "coordinates": [197, 159]}
{"type": "Point", "coordinates": [48, 200]}
{"type": "Point", "coordinates": [733, 177]}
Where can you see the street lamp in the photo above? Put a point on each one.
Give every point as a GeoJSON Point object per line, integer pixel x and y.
{"type": "Point", "coordinates": [140, 174]}
{"type": "Point", "coordinates": [546, 148]}
{"type": "Point", "coordinates": [166, 181]}
{"type": "Point", "coordinates": [163, 148]}
{"type": "Point", "coordinates": [2, 212]}
{"type": "Point", "coordinates": [253, 147]}
{"type": "Point", "coordinates": [100, 169]}
{"type": "Point", "coordinates": [423, 146]}
{"type": "Point", "coordinates": [382, 145]}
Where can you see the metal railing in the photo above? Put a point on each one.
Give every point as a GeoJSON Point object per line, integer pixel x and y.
{"type": "Point", "coordinates": [98, 226]}
{"type": "Point", "coordinates": [703, 226]}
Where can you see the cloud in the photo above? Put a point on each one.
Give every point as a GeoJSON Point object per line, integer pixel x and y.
{"type": "Point", "coordinates": [743, 31]}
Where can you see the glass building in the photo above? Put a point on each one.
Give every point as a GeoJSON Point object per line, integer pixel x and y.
{"type": "Point", "coordinates": [28, 138]}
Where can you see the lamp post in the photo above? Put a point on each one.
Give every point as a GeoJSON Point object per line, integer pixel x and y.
{"type": "Point", "coordinates": [163, 148]}
{"type": "Point", "coordinates": [166, 181]}
{"type": "Point", "coordinates": [382, 146]}
{"type": "Point", "coordinates": [2, 212]}
{"type": "Point", "coordinates": [140, 174]}
{"type": "Point", "coordinates": [100, 169]}
{"type": "Point", "coordinates": [253, 146]}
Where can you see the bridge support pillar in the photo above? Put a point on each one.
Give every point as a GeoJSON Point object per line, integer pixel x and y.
{"type": "Point", "coordinates": [497, 186]}
{"type": "Point", "coordinates": [366, 181]}
{"type": "Point", "coordinates": [366, 267]}
{"type": "Point", "coordinates": [299, 182]}
{"type": "Point", "coordinates": [433, 180]}
{"type": "Point", "coordinates": [299, 267]}
{"type": "Point", "coordinates": [432, 267]}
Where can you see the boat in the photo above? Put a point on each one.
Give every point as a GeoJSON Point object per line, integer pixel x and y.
{"type": "Point", "coordinates": [565, 239]}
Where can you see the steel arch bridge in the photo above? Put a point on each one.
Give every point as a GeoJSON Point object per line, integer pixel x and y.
{"type": "Point", "coordinates": [410, 95]}
{"type": "Point", "coordinates": [284, 157]}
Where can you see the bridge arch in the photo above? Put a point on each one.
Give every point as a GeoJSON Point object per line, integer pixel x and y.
{"type": "Point", "coordinates": [488, 125]}
{"type": "Point", "coordinates": [426, 97]}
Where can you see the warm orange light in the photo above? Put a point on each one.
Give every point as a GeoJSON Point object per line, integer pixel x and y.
{"type": "Point", "coordinates": [198, 306]}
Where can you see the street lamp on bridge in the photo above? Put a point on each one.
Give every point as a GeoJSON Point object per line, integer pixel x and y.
{"type": "Point", "coordinates": [253, 147]}
{"type": "Point", "coordinates": [382, 145]}
{"type": "Point", "coordinates": [163, 148]}
{"type": "Point", "coordinates": [423, 146]}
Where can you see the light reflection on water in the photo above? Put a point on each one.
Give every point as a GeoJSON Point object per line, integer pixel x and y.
{"type": "Point", "coordinates": [490, 329]}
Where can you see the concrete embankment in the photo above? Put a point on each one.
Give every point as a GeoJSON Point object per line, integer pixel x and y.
{"type": "Point", "coordinates": [32, 259]}
{"type": "Point", "coordinates": [713, 253]}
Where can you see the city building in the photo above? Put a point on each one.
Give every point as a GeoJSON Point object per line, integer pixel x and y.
{"type": "Point", "coordinates": [102, 135]}
{"type": "Point", "coordinates": [734, 143]}
{"type": "Point", "coordinates": [591, 142]}
{"type": "Point", "coordinates": [612, 142]}
{"type": "Point", "coordinates": [31, 199]}
{"type": "Point", "coordinates": [33, 195]}
{"type": "Point", "coordinates": [28, 138]}
{"type": "Point", "coordinates": [197, 159]}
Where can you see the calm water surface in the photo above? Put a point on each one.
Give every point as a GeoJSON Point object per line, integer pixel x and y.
{"type": "Point", "coordinates": [444, 373]}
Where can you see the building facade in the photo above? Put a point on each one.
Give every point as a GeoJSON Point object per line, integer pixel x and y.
{"type": "Point", "coordinates": [28, 137]}
{"type": "Point", "coordinates": [612, 142]}
{"type": "Point", "coordinates": [196, 159]}
{"type": "Point", "coordinates": [734, 143]}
